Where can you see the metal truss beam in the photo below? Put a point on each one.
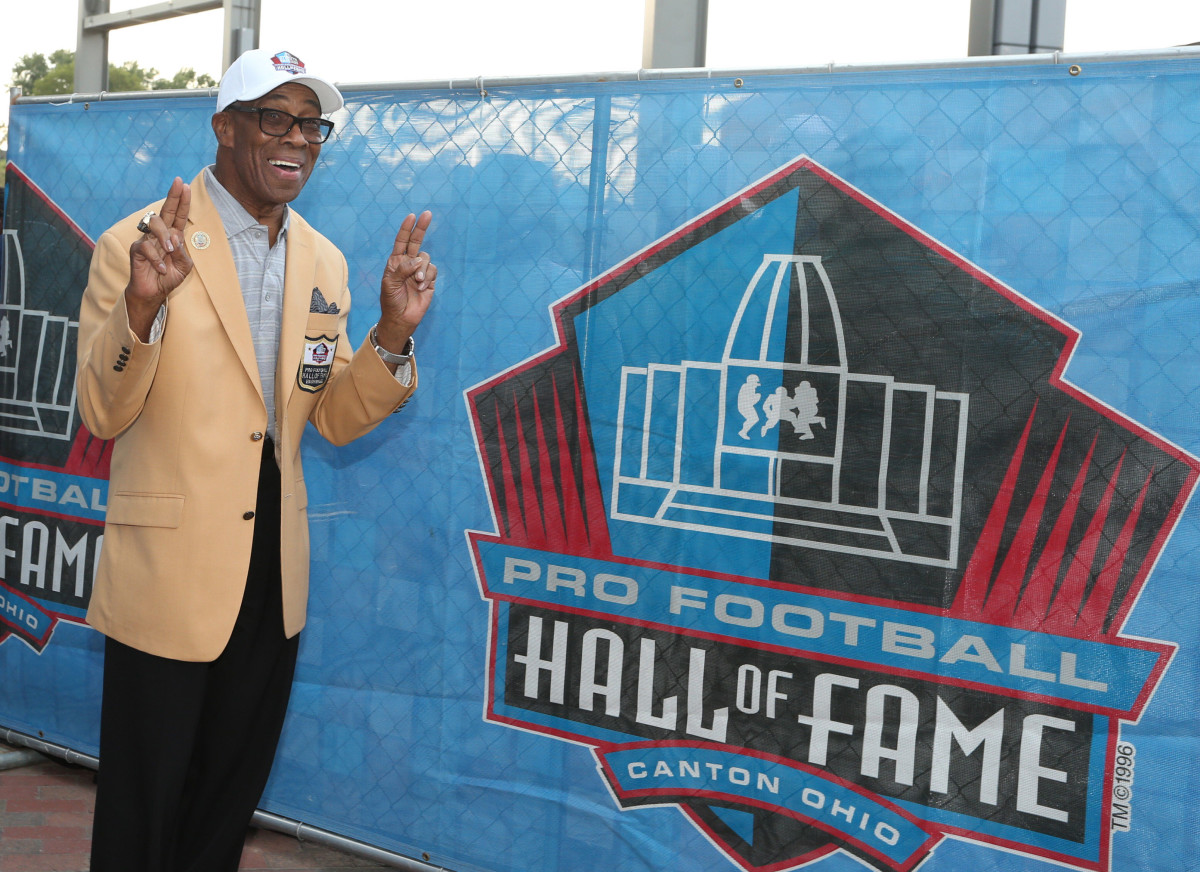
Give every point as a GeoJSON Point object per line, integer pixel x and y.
{"type": "Point", "coordinates": [96, 21]}
{"type": "Point", "coordinates": [145, 14]}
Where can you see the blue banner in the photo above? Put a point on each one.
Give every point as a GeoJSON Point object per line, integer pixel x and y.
{"type": "Point", "coordinates": [799, 474]}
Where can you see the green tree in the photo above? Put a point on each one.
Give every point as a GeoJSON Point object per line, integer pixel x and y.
{"type": "Point", "coordinates": [39, 76]}
{"type": "Point", "coordinates": [185, 78]}
{"type": "Point", "coordinates": [130, 77]}
{"type": "Point", "coordinates": [28, 70]}
{"type": "Point", "coordinates": [59, 80]}
{"type": "Point", "coordinates": [34, 74]}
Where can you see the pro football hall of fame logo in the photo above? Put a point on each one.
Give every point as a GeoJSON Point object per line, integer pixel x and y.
{"type": "Point", "coordinates": [800, 528]}
{"type": "Point", "coordinates": [53, 473]}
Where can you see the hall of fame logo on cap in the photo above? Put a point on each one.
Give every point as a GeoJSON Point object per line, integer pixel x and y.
{"type": "Point", "coordinates": [287, 62]}
{"type": "Point", "coordinates": [316, 362]}
{"type": "Point", "coordinates": [812, 539]}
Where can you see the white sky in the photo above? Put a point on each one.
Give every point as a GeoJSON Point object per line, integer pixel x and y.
{"type": "Point", "coordinates": [385, 40]}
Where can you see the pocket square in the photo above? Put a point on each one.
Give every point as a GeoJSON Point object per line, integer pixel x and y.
{"type": "Point", "coordinates": [319, 306]}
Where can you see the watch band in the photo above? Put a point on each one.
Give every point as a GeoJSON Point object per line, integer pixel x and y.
{"type": "Point", "coordinates": [410, 348]}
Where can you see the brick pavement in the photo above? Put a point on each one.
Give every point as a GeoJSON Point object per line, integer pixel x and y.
{"type": "Point", "coordinates": [46, 826]}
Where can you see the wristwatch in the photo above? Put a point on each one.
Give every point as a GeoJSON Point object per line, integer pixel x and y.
{"type": "Point", "coordinates": [404, 357]}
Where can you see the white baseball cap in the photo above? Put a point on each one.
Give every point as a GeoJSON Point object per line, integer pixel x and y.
{"type": "Point", "coordinates": [260, 71]}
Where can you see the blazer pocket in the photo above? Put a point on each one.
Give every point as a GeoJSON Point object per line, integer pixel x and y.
{"type": "Point", "coordinates": [145, 510]}
{"type": "Point", "coordinates": [323, 323]}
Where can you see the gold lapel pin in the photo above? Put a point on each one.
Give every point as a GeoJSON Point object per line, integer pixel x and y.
{"type": "Point", "coordinates": [200, 240]}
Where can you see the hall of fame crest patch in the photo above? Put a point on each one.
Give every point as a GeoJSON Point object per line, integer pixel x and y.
{"type": "Point", "coordinates": [316, 363]}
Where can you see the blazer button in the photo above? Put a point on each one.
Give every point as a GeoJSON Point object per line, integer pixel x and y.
{"type": "Point", "coordinates": [256, 436]}
{"type": "Point", "coordinates": [247, 516]}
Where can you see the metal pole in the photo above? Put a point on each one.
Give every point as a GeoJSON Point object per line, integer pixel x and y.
{"type": "Point", "coordinates": [1014, 27]}
{"type": "Point", "coordinates": [95, 21]}
{"type": "Point", "coordinates": [597, 183]}
{"type": "Point", "coordinates": [91, 49]}
{"type": "Point", "coordinates": [242, 26]}
{"type": "Point", "coordinates": [982, 28]}
{"type": "Point", "coordinates": [18, 759]}
{"type": "Point", "coordinates": [675, 34]}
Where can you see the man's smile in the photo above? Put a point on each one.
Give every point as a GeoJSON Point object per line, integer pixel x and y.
{"type": "Point", "coordinates": [288, 168]}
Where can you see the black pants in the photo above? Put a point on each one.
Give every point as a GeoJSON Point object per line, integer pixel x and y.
{"type": "Point", "coordinates": [186, 748]}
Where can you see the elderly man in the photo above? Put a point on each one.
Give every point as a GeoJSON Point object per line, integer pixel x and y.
{"type": "Point", "coordinates": [213, 328]}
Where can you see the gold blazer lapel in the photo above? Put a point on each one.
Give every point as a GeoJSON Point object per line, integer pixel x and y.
{"type": "Point", "coordinates": [299, 279]}
{"type": "Point", "coordinates": [213, 260]}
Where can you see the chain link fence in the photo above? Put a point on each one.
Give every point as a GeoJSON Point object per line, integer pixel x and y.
{"type": "Point", "coordinates": [1075, 186]}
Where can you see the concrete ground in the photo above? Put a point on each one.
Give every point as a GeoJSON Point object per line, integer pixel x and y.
{"type": "Point", "coordinates": [46, 826]}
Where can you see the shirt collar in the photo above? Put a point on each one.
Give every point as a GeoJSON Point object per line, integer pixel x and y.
{"type": "Point", "coordinates": [233, 214]}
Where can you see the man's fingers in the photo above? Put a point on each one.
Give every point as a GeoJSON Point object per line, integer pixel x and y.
{"type": "Point", "coordinates": [400, 246]}
{"type": "Point", "coordinates": [411, 235]}
{"type": "Point", "coordinates": [425, 272]}
{"type": "Point", "coordinates": [417, 236]}
{"type": "Point", "coordinates": [404, 269]}
{"type": "Point", "coordinates": [181, 258]}
{"type": "Point", "coordinates": [171, 204]}
{"type": "Point", "coordinates": [418, 264]}
{"type": "Point", "coordinates": [177, 205]}
{"type": "Point", "coordinates": [185, 206]}
{"type": "Point", "coordinates": [148, 249]}
{"type": "Point", "coordinates": [409, 276]}
{"type": "Point", "coordinates": [161, 233]}
{"type": "Point", "coordinates": [157, 249]}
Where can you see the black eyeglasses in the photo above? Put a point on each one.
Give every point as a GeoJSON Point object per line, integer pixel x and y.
{"type": "Point", "coordinates": [273, 122]}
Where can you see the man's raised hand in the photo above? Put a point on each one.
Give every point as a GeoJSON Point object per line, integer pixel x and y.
{"type": "Point", "coordinates": [158, 259]}
{"type": "Point", "coordinates": [407, 286]}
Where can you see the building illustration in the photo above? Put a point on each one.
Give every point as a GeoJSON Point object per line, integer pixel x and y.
{"type": "Point", "coordinates": [37, 380]}
{"type": "Point", "coordinates": [781, 441]}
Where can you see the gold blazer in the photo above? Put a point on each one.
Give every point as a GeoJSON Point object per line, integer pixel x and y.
{"type": "Point", "coordinates": [187, 415]}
